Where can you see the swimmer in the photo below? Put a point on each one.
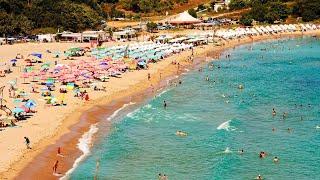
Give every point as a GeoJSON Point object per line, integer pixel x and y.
{"type": "Point", "coordinates": [181, 133]}
{"type": "Point", "coordinates": [164, 177]}
{"type": "Point", "coordinates": [241, 151]}
{"type": "Point", "coordinates": [276, 159]}
{"type": "Point", "coordinates": [262, 154]}
{"type": "Point", "coordinates": [240, 86]}
{"type": "Point", "coordinates": [284, 115]}
{"type": "Point", "coordinates": [273, 129]}
{"type": "Point", "coordinates": [289, 130]}
{"type": "Point", "coordinates": [207, 78]}
{"type": "Point", "coordinates": [273, 112]}
{"type": "Point", "coordinates": [164, 104]}
{"type": "Point", "coordinates": [259, 177]}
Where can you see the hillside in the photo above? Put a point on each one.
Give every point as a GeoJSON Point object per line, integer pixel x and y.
{"type": "Point", "coordinates": [34, 16]}
{"type": "Point", "coordinates": [24, 17]}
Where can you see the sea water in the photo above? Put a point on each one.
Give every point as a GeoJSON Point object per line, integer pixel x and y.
{"type": "Point", "coordinates": [220, 119]}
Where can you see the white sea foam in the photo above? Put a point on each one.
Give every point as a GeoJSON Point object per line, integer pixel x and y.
{"type": "Point", "coordinates": [86, 140]}
{"type": "Point", "coordinates": [131, 114]}
{"type": "Point", "coordinates": [84, 145]}
{"type": "Point", "coordinates": [115, 113]}
{"type": "Point", "coordinates": [317, 127]}
{"type": "Point", "coordinates": [227, 150]}
{"type": "Point", "coordinates": [162, 92]}
{"type": "Point", "coordinates": [226, 126]}
{"type": "Point", "coordinates": [148, 106]}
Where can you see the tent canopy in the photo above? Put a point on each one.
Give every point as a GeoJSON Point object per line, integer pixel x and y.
{"type": "Point", "coordinates": [183, 18]}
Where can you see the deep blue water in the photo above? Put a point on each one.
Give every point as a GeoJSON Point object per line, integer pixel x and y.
{"type": "Point", "coordinates": [281, 74]}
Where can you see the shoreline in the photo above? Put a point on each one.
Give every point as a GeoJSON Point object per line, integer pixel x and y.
{"type": "Point", "coordinates": [75, 125]}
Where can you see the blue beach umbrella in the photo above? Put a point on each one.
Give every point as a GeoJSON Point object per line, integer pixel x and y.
{"type": "Point", "coordinates": [13, 60]}
{"type": "Point", "coordinates": [37, 55]}
{"type": "Point", "coordinates": [30, 103]}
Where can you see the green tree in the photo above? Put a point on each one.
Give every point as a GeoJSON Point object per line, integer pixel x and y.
{"type": "Point", "coordinates": [237, 4]}
{"type": "Point", "coordinates": [309, 10]}
{"type": "Point", "coordinates": [151, 26]}
{"type": "Point", "coordinates": [201, 7]}
{"type": "Point", "coordinates": [193, 13]}
{"type": "Point", "coordinates": [246, 20]}
{"type": "Point", "coordinates": [6, 26]}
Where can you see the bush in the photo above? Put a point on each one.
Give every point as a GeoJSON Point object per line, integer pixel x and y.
{"type": "Point", "coordinates": [151, 26]}
{"type": "Point", "coordinates": [193, 13]}
{"type": "Point", "coordinates": [246, 20]}
{"type": "Point", "coordinates": [237, 4]}
{"type": "Point", "coordinates": [309, 10]}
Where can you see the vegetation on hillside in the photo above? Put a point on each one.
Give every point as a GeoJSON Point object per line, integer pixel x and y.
{"type": "Point", "coordinates": [270, 11]}
{"type": "Point", "coordinates": [26, 16]}
{"type": "Point", "coordinates": [20, 17]}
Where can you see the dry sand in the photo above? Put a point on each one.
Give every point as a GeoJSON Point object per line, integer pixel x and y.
{"type": "Point", "coordinates": [52, 125]}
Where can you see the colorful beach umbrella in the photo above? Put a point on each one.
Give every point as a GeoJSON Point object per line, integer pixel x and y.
{"type": "Point", "coordinates": [18, 110]}
{"type": "Point", "coordinates": [30, 103]}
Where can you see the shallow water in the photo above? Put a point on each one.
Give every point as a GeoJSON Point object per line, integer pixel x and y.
{"type": "Point", "coordinates": [220, 119]}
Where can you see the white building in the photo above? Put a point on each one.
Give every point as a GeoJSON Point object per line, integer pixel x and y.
{"type": "Point", "coordinates": [46, 37]}
{"type": "Point", "coordinates": [94, 35]}
{"type": "Point", "coordinates": [125, 34]}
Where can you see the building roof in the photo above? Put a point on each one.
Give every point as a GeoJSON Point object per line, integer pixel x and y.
{"type": "Point", "coordinates": [183, 18]}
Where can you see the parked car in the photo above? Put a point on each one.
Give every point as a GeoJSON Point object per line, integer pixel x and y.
{"type": "Point", "coordinates": [161, 27]}
{"type": "Point", "coordinates": [2, 41]}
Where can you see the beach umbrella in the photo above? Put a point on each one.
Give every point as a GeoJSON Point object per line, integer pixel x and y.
{"type": "Point", "coordinates": [22, 93]}
{"type": "Point", "coordinates": [103, 78]}
{"type": "Point", "coordinates": [18, 110]}
{"type": "Point", "coordinates": [39, 55]}
{"type": "Point", "coordinates": [30, 104]}
{"type": "Point", "coordinates": [70, 86]}
{"type": "Point", "coordinates": [12, 82]}
{"type": "Point", "coordinates": [13, 60]}
{"type": "Point", "coordinates": [24, 76]}
{"type": "Point", "coordinates": [45, 66]}
{"type": "Point", "coordinates": [17, 102]}
{"type": "Point", "coordinates": [29, 69]}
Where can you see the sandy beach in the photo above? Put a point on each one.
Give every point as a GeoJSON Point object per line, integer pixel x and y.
{"type": "Point", "coordinates": [53, 127]}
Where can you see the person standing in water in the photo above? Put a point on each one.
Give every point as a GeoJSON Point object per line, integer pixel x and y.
{"type": "Point", "coordinates": [164, 104]}
{"type": "Point", "coordinates": [207, 78]}
{"type": "Point", "coordinates": [259, 177]}
{"type": "Point", "coordinates": [273, 112]}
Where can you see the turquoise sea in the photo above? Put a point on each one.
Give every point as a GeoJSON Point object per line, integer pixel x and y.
{"type": "Point", "coordinates": [221, 119]}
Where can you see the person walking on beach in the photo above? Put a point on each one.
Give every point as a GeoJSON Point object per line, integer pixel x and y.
{"type": "Point", "coordinates": [27, 141]}
{"type": "Point", "coordinates": [60, 152]}
{"type": "Point", "coordinates": [55, 167]}
{"type": "Point", "coordinates": [149, 76]}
